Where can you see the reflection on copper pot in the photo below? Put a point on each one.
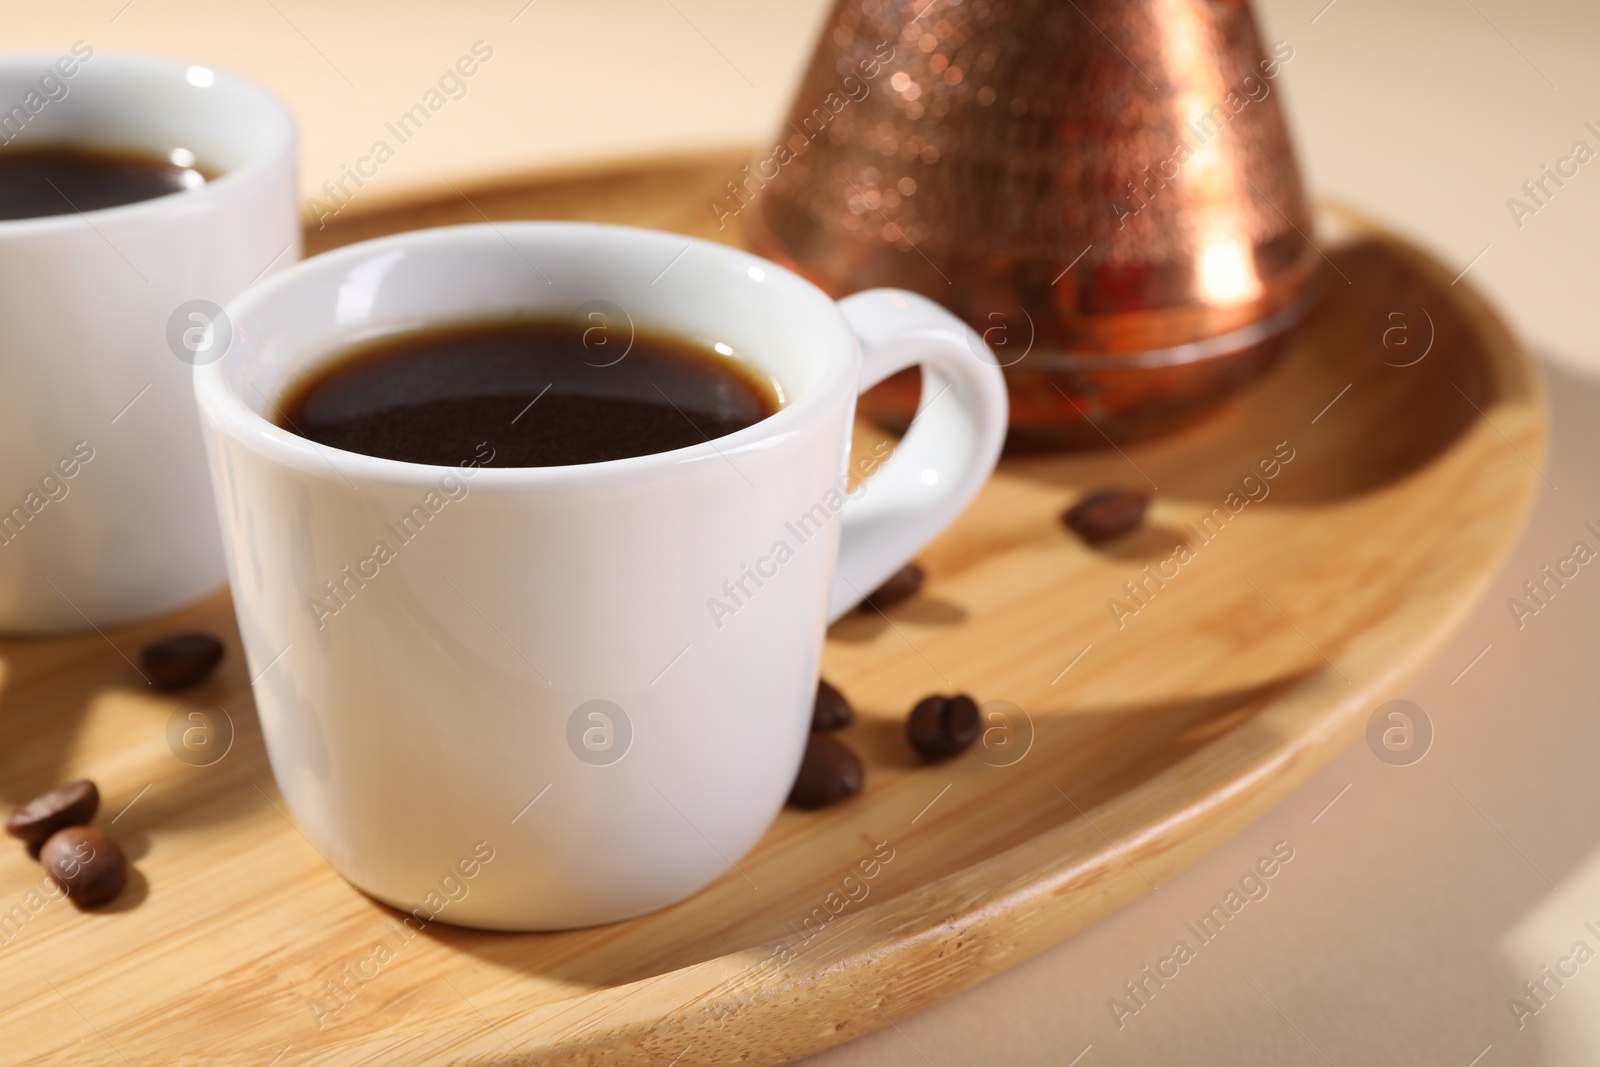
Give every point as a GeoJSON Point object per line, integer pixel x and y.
{"type": "Point", "coordinates": [1103, 189]}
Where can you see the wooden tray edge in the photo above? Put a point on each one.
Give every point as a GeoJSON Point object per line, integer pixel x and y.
{"type": "Point", "coordinates": [893, 958]}
{"type": "Point", "coordinates": [871, 968]}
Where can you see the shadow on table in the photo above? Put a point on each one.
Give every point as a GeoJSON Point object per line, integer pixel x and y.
{"type": "Point", "coordinates": [1102, 752]}
{"type": "Point", "coordinates": [1354, 421]}
{"type": "Point", "coordinates": [51, 687]}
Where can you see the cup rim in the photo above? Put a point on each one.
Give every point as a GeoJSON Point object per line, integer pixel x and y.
{"type": "Point", "coordinates": [281, 137]}
{"type": "Point", "coordinates": [227, 413]}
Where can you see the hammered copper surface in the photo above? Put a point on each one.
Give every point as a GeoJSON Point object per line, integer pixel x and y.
{"type": "Point", "coordinates": [1095, 184]}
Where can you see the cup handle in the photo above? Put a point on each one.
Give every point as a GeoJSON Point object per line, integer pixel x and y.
{"type": "Point", "coordinates": [945, 456]}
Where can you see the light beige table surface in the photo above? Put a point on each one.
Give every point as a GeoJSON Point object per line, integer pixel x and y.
{"type": "Point", "coordinates": [1420, 898]}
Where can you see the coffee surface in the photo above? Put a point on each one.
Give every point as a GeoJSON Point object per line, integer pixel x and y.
{"type": "Point", "coordinates": [528, 393]}
{"type": "Point", "coordinates": [65, 179]}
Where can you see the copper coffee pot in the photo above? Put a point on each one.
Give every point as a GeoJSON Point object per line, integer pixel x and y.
{"type": "Point", "coordinates": [1104, 189]}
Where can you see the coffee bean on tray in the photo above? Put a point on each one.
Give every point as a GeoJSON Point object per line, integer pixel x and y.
{"type": "Point", "coordinates": [831, 711]}
{"type": "Point", "coordinates": [903, 584]}
{"type": "Point", "coordinates": [829, 773]}
{"type": "Point", "coordinates": [941, 727]}
{"type": "Point", "coordinates": [86, 863]}
{"type": "Point", "coordinates": [1105, 514]}
{"type": "Point", "coordinates": [181, 660]}
{"type": "Point", "coordinates": [69, 805]}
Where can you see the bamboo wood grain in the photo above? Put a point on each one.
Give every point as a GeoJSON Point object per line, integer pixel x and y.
{"type": "Point", "coordinates": [1152, 741]}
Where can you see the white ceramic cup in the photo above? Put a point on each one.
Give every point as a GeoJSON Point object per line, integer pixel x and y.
{"type": "Point", "coordinates": [106, 513]}
{"type": "Point", "coordinates": [601, 675]}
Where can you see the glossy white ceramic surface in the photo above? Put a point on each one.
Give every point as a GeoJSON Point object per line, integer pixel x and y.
{"type": "Point", "coordinates": [601, 674]}
{"type": "Point", "coordinates": [89, 383]}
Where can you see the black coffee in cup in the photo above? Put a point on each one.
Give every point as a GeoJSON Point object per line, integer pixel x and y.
{"type": "Point", "coordinates": [64, 179]}
{"type": "Point", "coordinates": [541, 393]}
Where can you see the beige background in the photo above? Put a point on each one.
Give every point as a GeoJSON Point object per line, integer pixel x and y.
{"type": "Point", "coordinates": [1419, 901]}
{"type": "Point", "coordinates": [1420, 112]}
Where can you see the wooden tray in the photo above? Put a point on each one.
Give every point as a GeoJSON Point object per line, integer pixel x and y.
{"type": "Point", "coordinates": [1151, 742]}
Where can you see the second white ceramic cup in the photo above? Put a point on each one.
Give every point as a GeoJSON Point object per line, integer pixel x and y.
{"type": "Point", "coordinates": [535, 698]}
{"type": "Point", "coordinates": [106, 513]}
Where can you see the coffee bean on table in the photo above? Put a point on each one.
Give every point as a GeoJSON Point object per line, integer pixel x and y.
{"type": "Point", "coordinates": [181, 660]}
{"type": "Point", "coordinates": [86, 863]}
{"type": "Point", "coordinates": [69, 805]}
{"type": "Point", "coordinates": [941, 727]}
{"type": "Point", "coordinates": [831, 711]}
{"type": "Point", "coordinates": [903, 584]}
{"type": "Point", "coordinates": [1105, 514]}
{"type": "Point", "coordinates": [829, 773]}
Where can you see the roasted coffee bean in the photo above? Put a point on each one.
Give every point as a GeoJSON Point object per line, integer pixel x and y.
{"type": "Point", "coordinates": [942, 727]}
{"type": "Point", "coordinates": [829, 773]}
{"type": "Point", "coordinates": [181, 660]}
{"type": "Point", "coordinates": [903, 584]}
{"type": "Point", "coordinates": [831, 711]}
{"type": "Point", "coordinates": [67, 805]}
{"type": "Point", "coordinates": [86, 863]}
{"type": "Point", "coordinates": [1106, 514]}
